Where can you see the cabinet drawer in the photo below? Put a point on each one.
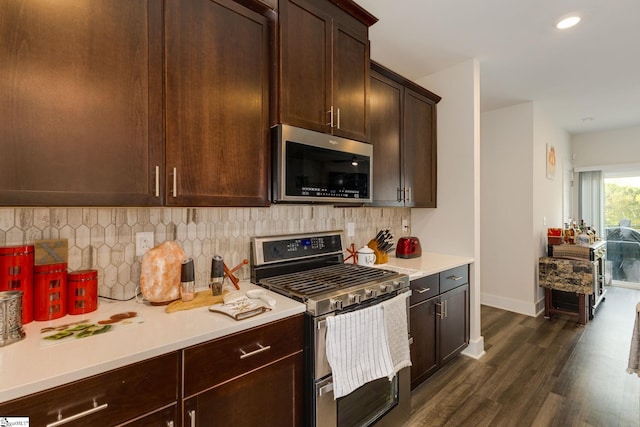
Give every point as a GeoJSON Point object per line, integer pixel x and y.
{"type": "Point", "coordinates": [209, 364]}
{"type": "Point", "coordinates": [424, 288]}
{"type": "Point", "coordinates": [116, 396]}
{"type": "Point", "coordinates": [453, 278]}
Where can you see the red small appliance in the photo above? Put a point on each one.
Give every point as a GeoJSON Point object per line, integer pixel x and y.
{"type": "Point", "coordinates": [82, 291]}
{"type": "Point", "coordinates": [16, 274]}
{"type": "Point", "coordinates": [50, 300]}
{"type": "Point", "coordinates": [408, 247]}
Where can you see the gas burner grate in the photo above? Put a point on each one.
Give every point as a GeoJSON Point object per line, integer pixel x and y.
{"type": "Point", "coordinates": [308, 283]}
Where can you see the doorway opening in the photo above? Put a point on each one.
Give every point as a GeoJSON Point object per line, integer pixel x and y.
{"type": "Point", "coordinates": [622, 227]}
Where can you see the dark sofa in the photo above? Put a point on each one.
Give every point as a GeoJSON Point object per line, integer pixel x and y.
{"type": "Point", "coordinates": [623, 250]}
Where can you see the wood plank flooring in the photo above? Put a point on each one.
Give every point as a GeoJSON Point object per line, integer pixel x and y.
{"type": "Point", "coordinates": [540, 373]}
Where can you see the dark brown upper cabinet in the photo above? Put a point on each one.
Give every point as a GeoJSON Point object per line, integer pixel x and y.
{"type": "Point", "coordinates": [217, 61]}
{"type": "Point", "coordinates": [135, 104]}
{"type": "Point", "coordinates": [404, 138]}
{"type": "Point", "coordinates": [80, 103]}
{"type": "Point", "coordinates": [323, 66]}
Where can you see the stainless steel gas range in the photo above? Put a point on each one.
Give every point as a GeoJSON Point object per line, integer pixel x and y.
{"type": "Point", "coordinates": [310, 268]}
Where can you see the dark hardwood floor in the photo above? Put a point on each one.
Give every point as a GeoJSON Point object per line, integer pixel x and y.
{"type": "Point", "coordinates": [538, 372]}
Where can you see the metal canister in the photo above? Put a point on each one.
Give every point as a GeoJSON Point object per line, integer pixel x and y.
{"type": "Point", "coordinates": [10, 317]}
{"type": "Point", "coordinates": [82, 291]}
{"type": "Point", "coordinates": [50, 296]}
{"type": "Point", "coordinates": [16, 274]}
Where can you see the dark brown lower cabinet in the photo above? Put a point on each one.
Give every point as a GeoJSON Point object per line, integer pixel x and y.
{"type": "Point", "coordinates": [269, 396]}
{"type": "Point", "coordinates": [136, 395]}
{"type": "Point", "coordinates": [439, 324]}
{"type": "Point", "coordinates": [246, 379]}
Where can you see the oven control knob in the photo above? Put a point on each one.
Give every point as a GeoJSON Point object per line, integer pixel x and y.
{"type": "Point", "coordinates": [335, 303]}
{"type": "Point", "coordinates": [370, 293]}
{"type": "Point", "coordinates": [384, 288]}
{"type": "Point", "coordinates": [355, 298]}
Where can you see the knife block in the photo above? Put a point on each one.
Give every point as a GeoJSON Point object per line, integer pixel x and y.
{"type": "Point", "coordinates": [381, 257]}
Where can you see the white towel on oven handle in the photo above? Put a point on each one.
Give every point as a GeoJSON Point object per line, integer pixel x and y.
{"type": "Point", "coordinates": [357, 349]}
{"type": "Point", "coordinates": [395, 317]}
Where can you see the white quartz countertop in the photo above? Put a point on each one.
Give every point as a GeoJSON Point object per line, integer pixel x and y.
{"type": "Point", "coordinates": [427, 264]}
{"type": "Point", "coordinates": [30, 366]}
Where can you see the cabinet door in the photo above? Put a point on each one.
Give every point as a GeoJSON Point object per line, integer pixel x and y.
{"type": "Point", "coordinates": [350, 80]}
{"type": "Point", "coordinates": [80, 102]}
{"type": "Point", "coordinates": [269, 396]}
{"type": "Point", "coordinates": [419, 151]}
{"type": "Point", "coordinates": [454, 325]}
{"type": "Point", "coordinates": [305, 65]}
{"type": "Point", "coordinates": [386, 122]}
{"type": "Point", "coordinates": [424, 350]}
{"type": "Point", "coordinates": [217, 99]}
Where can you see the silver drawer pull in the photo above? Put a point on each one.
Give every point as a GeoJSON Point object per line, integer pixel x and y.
{"type": "Point", "coordinates": [422, 290]}
{"type": "Point", "coordinates": [327, 388]}
{"type": "Point", "coordinates": [455, 278]}
{"type": "Point", "coordinates": [254, 352]}
{"type": "Point", "coordinates": [192, 417]}
{"type": "Point", "coordinates": [61, 421]}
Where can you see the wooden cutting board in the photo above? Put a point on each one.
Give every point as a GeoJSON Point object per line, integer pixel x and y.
{"type": "Point", "coordinates": [202, 299]}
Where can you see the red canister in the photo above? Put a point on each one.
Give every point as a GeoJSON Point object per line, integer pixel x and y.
{"type": "Point", "coordinates": [82, 291]}
{"type": "Point", "coordinates": [16, 274]}
{"type": "Point", "coordinates": [50, 300]}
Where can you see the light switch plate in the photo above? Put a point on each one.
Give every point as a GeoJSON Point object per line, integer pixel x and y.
{"type": "Point", "coordinates": [144, 242]}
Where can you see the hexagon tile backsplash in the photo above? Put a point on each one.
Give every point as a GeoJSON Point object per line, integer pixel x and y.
{"type": "Point", "coordinates": [104, 238]}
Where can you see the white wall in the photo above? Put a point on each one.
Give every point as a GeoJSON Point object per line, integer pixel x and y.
{"type": "Point", "coordinates": [517, 198]}
{"type": "Point", "coordinates": [454, 227]}
{"type": "Point", "coordinates": [615, 147]}
{"type": "Point", "coordinates": [507, 207]}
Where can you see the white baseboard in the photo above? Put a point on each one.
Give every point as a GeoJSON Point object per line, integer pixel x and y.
{"type": "Point", "coordinates": [509, 304]}
{"type": "Point", "coordinates": [475, 349]}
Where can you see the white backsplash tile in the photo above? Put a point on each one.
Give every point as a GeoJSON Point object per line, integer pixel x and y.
{"type": "Point", "coordinates": [104, 238]}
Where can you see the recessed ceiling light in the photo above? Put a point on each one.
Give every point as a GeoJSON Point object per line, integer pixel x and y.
{"type": "Point", "coordinates": [567, 22]}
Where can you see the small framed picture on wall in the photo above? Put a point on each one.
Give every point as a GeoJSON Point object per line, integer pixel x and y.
{"type": "Point", "coordinates": [551, 161]}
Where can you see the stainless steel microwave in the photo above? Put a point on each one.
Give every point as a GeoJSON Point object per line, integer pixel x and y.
{"type": "Point", "coordinates": [313, 167]}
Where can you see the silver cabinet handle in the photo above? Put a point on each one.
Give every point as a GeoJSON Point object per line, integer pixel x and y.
{"type": "Point", "coordinates": [440, 312]}
{"type": "Point", "coordinates": [260, 349]}
{"type": "Point", "coordinates": [61, 421]}
{"type": "Point", "coordinates": [454, 278]}
{"type": "Point", "coordinates": [327, 388]}
{"type": "Point", "coordinates": [400, 194]}
{"type": "Point", "coordinates": [446, 308]}
{"type": "Point", "coordinates": [407, 194]}
{"type": "Point", "coordinates": [192, 417]}
{"type": "Point", "coordinates": [330, 113]}
{"type": "Point", "coordinates": [338, 117]}
{"type": "Point", "coordinates": [422, 290]}
{"type": "Point", "coordinates": [157, 181]}
{"type": "Point", "coordinates": [175, 182]}
{"type": "Point", "coordinates": [169, 423]}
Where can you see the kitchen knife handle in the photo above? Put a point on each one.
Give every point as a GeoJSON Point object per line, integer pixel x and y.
{"type": "Point", "coordinates": [61, 421]}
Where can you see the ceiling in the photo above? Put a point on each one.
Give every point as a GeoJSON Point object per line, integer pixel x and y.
{"type": "Point", "coordinates": [586, 78]}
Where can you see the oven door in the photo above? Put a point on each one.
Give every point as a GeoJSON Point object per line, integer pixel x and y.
{"type": "Point", "coordinates": [384, 402]}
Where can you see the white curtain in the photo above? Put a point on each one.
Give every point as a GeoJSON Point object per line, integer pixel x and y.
{"type": "Point", "coordinates": [591, 196]}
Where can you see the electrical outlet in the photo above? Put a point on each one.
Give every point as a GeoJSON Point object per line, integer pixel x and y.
{"type": "Point", "coordinates": [351, 229]}
{"type": "Point", "coordinates": [405, 224]}
{"type": "Point", "coordinates": [144, 242]}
